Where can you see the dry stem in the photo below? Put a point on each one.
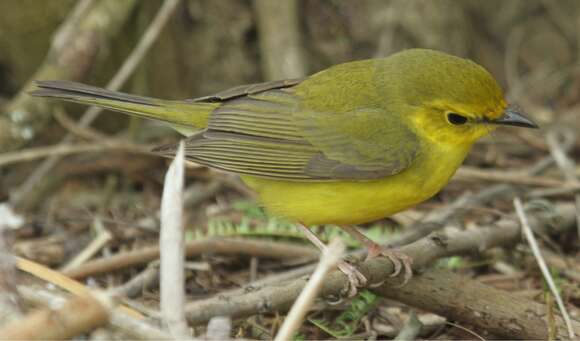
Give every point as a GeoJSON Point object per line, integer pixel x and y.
{"type": "Point", "coordinates": [527, 230]}
{"type": "Point", "coordinates": [171, 242]}
{"type": "Point", "coordinates": [219, 246]}
{"type": "Point", "coordinates": [328, 260]}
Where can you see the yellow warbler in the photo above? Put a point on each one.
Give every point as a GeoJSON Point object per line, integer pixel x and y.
{"type": "Point", "coordinates": [348, 145]}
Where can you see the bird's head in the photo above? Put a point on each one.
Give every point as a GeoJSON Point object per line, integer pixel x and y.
{"type": "Point", "coordinates": [447, 99]}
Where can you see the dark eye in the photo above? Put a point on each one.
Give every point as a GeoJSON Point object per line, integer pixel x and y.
{"type": "Point", "coordinates": [456, 119]}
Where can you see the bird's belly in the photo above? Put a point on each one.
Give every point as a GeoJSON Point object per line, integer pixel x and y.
{"type": "Point", "coordinates": [354, 202]}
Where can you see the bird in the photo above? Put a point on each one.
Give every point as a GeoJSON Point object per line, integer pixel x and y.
{"type": "Point", "coordinates": [351, 144]}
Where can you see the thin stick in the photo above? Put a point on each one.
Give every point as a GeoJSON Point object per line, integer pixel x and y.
{"type": "Point", "coordinates": [171, 242]}
{"type": "Point", "coordinates": [126, 70]}
{"type": "Point", "coordinates": [330, 257]}
{"type": "Point", "coordinates": [472, 173]}
{"type": "Point", "coordinates": [224, 246]}
{"type": "Point", "coordinates": [527, 230]}
{"type": "Point", "coordinates": [103, 237]}
{"type": "Point", "coordinates": [68, 149]}
{"type": "Point", "coordinates": [567, 166]}
{"type": "Point", "coordinates": [136, 284]}
{"type": "Point", "coordinates": [135, 327]}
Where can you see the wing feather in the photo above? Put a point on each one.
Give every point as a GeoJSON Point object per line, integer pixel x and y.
{"type": "Point", "coordinates": [264, 131]}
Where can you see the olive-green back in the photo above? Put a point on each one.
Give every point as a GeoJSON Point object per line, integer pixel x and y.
{"type": "Point", "coordinates": [330, 126]}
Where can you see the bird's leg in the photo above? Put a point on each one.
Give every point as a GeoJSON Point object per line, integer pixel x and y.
{"type": "Point", "coordinates": [355, 278]}
{"type": "Point", "coordinates": [400, 260]}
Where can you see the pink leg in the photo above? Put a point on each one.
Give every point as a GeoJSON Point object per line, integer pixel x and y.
{"type": "Point", "coordinates": [355, 278]}
{"type": "Point", "coordinates": [400, 260]}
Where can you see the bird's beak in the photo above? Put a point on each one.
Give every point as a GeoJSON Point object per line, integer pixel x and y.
{"type": "Point", "coordinates": [511, 117]}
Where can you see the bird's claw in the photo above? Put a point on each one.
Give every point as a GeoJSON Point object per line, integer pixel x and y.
{"type": "Point", "coordinates": [401, 261]}
{"type": "Point", "coordinates": [355, 278]}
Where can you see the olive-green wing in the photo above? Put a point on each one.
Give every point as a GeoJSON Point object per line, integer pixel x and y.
{"type": "Point", "coordinates": [268, 134]}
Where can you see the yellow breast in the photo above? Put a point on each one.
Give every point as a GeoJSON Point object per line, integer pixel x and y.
{"type": "Point", "coordinates": [357, 202]}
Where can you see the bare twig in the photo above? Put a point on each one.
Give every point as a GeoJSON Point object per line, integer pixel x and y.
{"type": "Point", "coordinates": [74, 128]}
{"type": "Point", "coordinates": [527, 231]}
{"type": "Point", "coordinates": [63, 282]}
{"type": "Point", "coordinates": [126, 70]}
{"type": "Point", "coordinates": [430, 323]}
{"type": "Point", "coordinates": [135, 285]}
{"type": "Point", "coordinates": [192, 248]}
{"type": "Point", "coordinates": [568, 167]}
{"type": "Point", "coordinates": [412, 328]}
{"type": "Point", "coordinates": [102, 238]}
{"type": "Point", "coordinates": [62, 323]}
{"type": "Point", "coordinates": [68, 149]}
{"type": "Point", "coordinates": [328, 260]}
{"type": "Point", "coordinates": [472, 173]}
{"type": "Point", "coordinates": [134, 327]}
{"type": "Point", "coordinates": [171, 243]}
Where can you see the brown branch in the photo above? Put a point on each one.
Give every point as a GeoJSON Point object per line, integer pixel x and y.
{"type": "Point", "coordinates": [378, 270]}
{"type": "Point", "coordinates": [220, 246]}
{"type": "Point", "coordinates": [62, 323]}
{"type": "Point", "coordinates": [134, 327]}
{"type": "Point", "coordinates": [58, 150]}
{"type": "Point", "coordinates": [471, 302]}
{"type": "Point", "coordinates": [472, 173]}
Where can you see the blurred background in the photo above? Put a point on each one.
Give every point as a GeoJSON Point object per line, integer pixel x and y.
{"type": "Point", "coordinates": [531, 46]}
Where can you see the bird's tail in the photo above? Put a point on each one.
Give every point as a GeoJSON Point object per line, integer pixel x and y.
{"type": "Point", "coordinates": [184, 116]}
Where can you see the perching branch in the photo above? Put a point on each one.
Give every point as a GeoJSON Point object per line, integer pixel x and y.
{"type": "Point", "coordinates": [424, 251]}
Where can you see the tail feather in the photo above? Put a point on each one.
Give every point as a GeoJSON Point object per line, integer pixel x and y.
{"type": "Point", "coordinates": [186, 117]}
{"type": "Point", "coordinates": [72, 90]}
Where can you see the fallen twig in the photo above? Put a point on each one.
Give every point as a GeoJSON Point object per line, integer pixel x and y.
{"type": "Point", "coordinates": [63, 282]}
{"type": "Point", "coordinates": [133, 327]}
{"type": "Point", "coordinates": [144, 255]}
{"type": "Point", "coordinates": [136, 284]}
{"type": "Point", "coordinates": [568, 167]}
{"type": "Point", "coordinates": [62, 323]}
{"type": "Point", "coordinates": [412, 328]}
{"type": "Point", "coordinates": [472, 173]}
{"type": "Point", "coordinates": [527, 231]}
{"type": "Point", "coordinates": [103, 237]}
{"type": "Point", "coordinates": [58, 150]}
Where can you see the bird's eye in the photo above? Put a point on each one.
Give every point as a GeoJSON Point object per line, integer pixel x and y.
{"type": "Point", "coordinates": [456, 119]}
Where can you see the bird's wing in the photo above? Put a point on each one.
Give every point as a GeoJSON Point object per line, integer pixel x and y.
{"type": "Point", "coordinates": [267, 134]}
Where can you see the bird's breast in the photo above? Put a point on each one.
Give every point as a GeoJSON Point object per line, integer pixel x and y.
{"type": "Point", "coordinates": [357, 202]}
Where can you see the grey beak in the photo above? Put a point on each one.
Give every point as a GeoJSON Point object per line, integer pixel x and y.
{"type": "Point", "coordinates": [511, 117]}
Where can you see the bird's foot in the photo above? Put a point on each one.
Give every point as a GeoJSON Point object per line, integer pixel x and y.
{"type": "Point", "coordinates": [401, 261]}
{"type": "Point", "coordinates": [355, 278]}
